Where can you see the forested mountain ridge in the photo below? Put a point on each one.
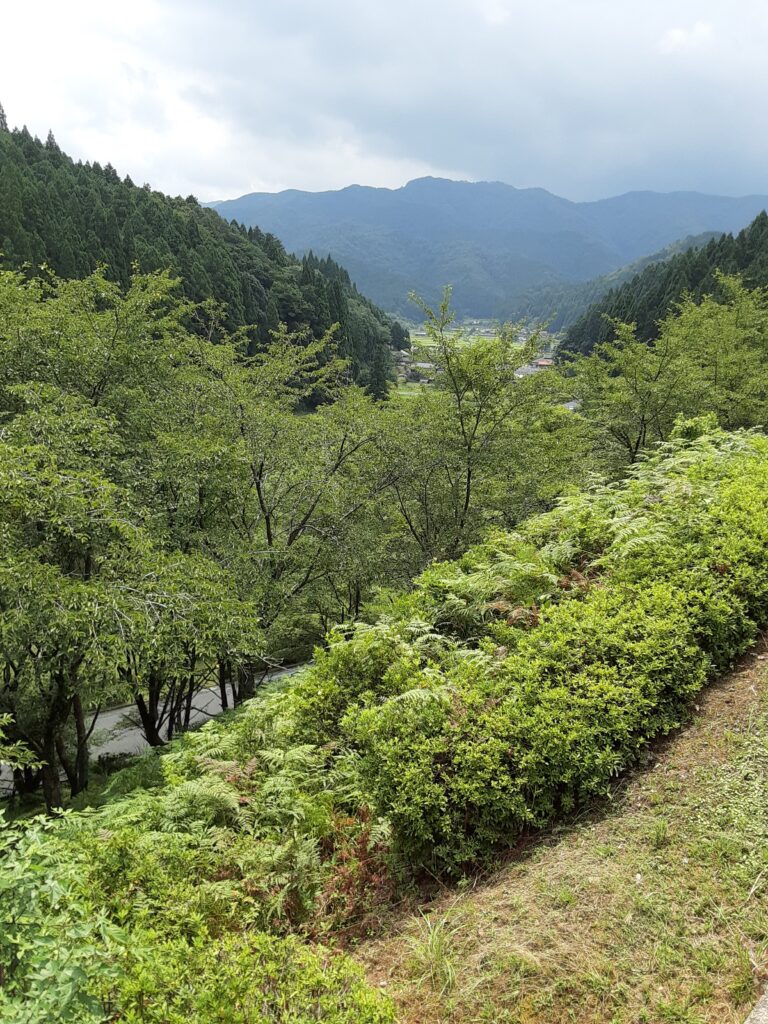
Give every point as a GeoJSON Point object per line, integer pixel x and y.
{"type": "Point", "coordinates": [561, 305]}
{"type": "Point", "coordinates": [651, 294]}
{"type": "Point", "coordinates": [74, 217]}
{"type": "Point", "coordinates": [491, 241]}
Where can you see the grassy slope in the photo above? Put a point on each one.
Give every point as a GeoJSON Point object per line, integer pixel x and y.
{"type": "Point", "coordinates": [654, 908]}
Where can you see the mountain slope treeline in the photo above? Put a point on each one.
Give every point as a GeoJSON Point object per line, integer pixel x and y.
{"type": "Point", "coordinates": [561, 305]}
{"type": "Point", "coordinates": [75, 217]}
{"type": "Point", "coordinates": [652, 294]}
{"type": "Point", "coordinates": [492, 242]}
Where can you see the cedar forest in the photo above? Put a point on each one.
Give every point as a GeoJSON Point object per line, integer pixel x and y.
{"type": "Point", "coordinates": [504, 587]}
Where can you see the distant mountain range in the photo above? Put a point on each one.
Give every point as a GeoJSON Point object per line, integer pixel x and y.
{"type": "Point", "coordinates": [492, 242]}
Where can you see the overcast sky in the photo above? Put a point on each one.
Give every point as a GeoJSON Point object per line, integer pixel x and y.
{"type": "Point", "coordinates": [586, 98]}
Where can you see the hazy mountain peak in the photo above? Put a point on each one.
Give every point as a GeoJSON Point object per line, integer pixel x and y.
{"type": "Point", "coordinates": [492, 241]}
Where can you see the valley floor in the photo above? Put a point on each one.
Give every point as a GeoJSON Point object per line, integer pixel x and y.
{"type": "Point", "coordinates": [653, 909]}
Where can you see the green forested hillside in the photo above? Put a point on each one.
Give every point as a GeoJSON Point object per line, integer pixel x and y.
{"type": "Point", "coordinates": [561, 305]}
{"type": "Point", "coordinates": [492, 242]}
{"type": "Point", "coordinates": [74, 217]}
{"type": "Point", "coordinates": [651, 295]}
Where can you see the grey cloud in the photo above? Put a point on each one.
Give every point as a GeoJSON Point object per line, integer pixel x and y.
{"type": "Point", "coordinates": [585, 99]}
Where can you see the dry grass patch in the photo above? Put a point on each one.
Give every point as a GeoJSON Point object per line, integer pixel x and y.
{"type": "Point", "coordinates": [651, 910]}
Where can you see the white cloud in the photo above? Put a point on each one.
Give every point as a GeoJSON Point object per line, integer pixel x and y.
{"type": "Point", "coordinates": [687, 40]}
{"type": "Point", "coordinates": [495, 12]}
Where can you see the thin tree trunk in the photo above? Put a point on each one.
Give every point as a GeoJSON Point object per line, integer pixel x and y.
{"type": "Point", "coordinates": [26, 780]}
{"type": "Point", "coordinates": [246, 683]}
{"type": "Point", "coordinates": [223, 670]}
{"type": "Point", "coordinates": [66, 763]}
{"type": "Point", "coordinates": [50, 775]}
{"type": "Point", "coordinates": [188, 702]}
{"type": "Point", "coordinates": [192, 659]}
{"type": "Point", "coordinates": [149, 725]}
{"type": "Point", "coordinates": [83, 735]}
{"type": "Point", "coordinates": [58, 713]}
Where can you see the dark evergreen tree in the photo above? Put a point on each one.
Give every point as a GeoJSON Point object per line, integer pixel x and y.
{"type": "Point", "coordinates": [75, 217]}
{"type": "Point", "coordinates": [652, 294]}
{"type": "Point", "coordinates": [400, 337]}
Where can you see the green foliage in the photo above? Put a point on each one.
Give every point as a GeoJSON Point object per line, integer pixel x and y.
{"type": "Point", "coordinates": [93, 603]}
{"type": "Point", "coordinates": [460, 453]}
{"type": "Point", "coordinates": [665, 586]}
{"type": "Point", "coordinates": [249, 978]}
{"type": "Point", "coordinates": [365, 669]}
{"type": "Point", "coordinates": [649, 297]}
{"type": "Point", "coordinates": [708, 358]}
{"type": "Point", "coordinates": [76, 217]}
{"type": "Point", "coordinates": [63, 960]}
{"type": "Point", "coordinates": [197, 522]}
{"type": "Point", "coordinates": [506, 690]}
{"type": "Point", "coordinates": [521, 679]}
{"type": "Point", "coordinates": [58, 950]}
{"type": "Point", "coordinates": [13, 754]}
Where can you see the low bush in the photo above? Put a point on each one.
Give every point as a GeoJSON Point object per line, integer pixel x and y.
{"type": "Point", "coordinates": [245, 979]}
{"type": "Point", "coordinates": [460, 768]}
{"type": "Point", "coordinates": [665, 582]}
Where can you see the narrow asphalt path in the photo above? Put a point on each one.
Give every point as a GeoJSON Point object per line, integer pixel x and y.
{"type": "Point", "coordinates": [118, 731]}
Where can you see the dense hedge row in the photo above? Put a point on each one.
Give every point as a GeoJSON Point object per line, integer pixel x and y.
{"type": "Point", "coordinates": [502, 691]}
{"type": "Point", "coordinates": [491, 701]}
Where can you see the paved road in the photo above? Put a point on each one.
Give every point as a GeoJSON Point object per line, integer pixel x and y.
{"type": "Point", "coordinates": [760, 1013]}
{"type": "Point", "coordinates": [117, 730]}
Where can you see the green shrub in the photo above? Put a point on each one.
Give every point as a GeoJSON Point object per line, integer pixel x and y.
{"type": "Point", "coordinates": [374, 662]}
{"type": "Point", "coordinates": [57, 947]}
{"type": "Point", "coordinates": [462, 768]}
{"type": "Point", "coordinates": [672, 580]}
{"type": "Point", "coordinates": [249, 979]}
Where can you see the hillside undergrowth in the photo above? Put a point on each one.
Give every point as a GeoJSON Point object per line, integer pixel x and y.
{"type": "Point", "coordinates": [650, 908]}
{"type": "Point", "coordinates": [504, 691]}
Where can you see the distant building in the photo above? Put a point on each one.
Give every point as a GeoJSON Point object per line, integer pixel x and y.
{"type": "Point", "coordinates": [527, 370]}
